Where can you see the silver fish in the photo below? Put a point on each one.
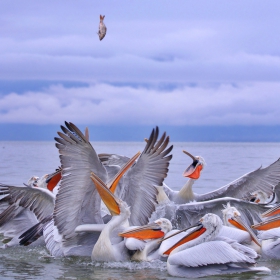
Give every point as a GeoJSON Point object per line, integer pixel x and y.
{"type": "Point", "coordinates": [102, 28]}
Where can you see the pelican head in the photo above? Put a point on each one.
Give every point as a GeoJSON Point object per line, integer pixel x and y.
{"type": "Point", "coordinates": [232, 218]}
{"type": "Point", "coordinates": [212, 223]}
{"type": "Point", "coordinates": [193, 171]}
{"type": "Point", "coordinates": [165, 224]}
{"type": "Point", "coordinates": [229, 213]}
{"type": "Point", "coordinates": [258, 197]}
{"type": "Point", "coordinates": [33, 181]}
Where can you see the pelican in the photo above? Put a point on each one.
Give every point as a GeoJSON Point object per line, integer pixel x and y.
{"type": "Point", "coordinates": [16, 216]}
{"type": "Point", "coordinates": [265, 180]}
{"type": "Point", "coordinates": [269, 233]}
{"type": "Point", "coordinates": [75, 225]}
{"type": "Point", "coordinates": [203, 252]}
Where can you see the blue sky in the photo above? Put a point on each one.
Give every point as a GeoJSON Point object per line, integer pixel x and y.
{"type": "Point", "coordinates": [202, 69]}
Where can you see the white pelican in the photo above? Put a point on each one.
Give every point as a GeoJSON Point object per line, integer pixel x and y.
{"type": "Point", "coordinates": [203, 252]}
{"type": "Point", "coordinates": [265, 180]}
{"type": "Point", "coordinates": [269, 233]}
{"type": "Point", "coordinates": [16, 216]}
{"type": "Point", "coordinates": [78, 203]}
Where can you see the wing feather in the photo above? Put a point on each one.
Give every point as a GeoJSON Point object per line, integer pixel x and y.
{"type": "Point", "coordinates": [213, 252]}
{"type": "Point", "coordinates": [188, 214]}
{"type": "Point", "coordinates": [264, 179]}
{"type": "Point", "coordinates": [139, 182]}
{"type": "Point", "coordinates": [39, 201]}
{"type": "Point", "coordinates": [77, 201]}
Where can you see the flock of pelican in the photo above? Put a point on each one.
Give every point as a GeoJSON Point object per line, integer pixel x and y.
{"type": "Point", "coordinates": [114, 208]}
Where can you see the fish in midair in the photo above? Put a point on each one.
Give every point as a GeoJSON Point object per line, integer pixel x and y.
{"type": "Point", "coordinates": [102, 28]}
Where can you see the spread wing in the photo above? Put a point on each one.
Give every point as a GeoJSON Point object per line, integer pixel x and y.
{"type": "Point", "coordinates": [188, 214]}
{"type": "Point", "coordinates": [77, 201]}
{"type": "Point", "coordinates": [264, 179]}
{"type": "Point", "coordinates": [138, 189]}
{"type": "Point", "coordinates": [39, 201]}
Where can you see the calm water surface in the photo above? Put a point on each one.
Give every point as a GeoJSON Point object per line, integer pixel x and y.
{"type": "Point", "coordinates": [225, 162]}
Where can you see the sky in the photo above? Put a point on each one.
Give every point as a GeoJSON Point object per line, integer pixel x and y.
{"type": "Point", "coordinates": [203, 70]}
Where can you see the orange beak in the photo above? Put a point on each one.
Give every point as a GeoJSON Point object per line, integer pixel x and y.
{"type": "Point", "coordinates": [238, 223]}
{"type": "Point", "coordinates": [53, 179]}
{"type": "Point", "coordinates": [272, 211]}
{"type": "Point", "coordinates": [193, 171]}
{"type": "Point", "coordinates": [199, 230]}
{"type": "Point", "coordinates": [269, 224]}
{"type": "Point", "coordinates": [112, 185]}
{"type": "Point", "coordinates": [106, 195]}
{"type": "Point", "coordinates": [150, 231]}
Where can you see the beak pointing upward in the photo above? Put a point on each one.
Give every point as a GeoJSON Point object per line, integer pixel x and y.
{"type": "Point", "coordinates": [193, 171]}
{"type": "Point", "coordinates": [106, 195]}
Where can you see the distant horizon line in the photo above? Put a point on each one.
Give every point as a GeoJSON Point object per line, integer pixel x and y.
{"type": "Point", "coordinates": [119, 141]}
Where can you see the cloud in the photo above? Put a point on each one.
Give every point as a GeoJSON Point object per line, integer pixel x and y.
{"type": "Point", "coordinates": [130, 68]}
{"type": "Point", "coordinates": [104, 104]}
{"type": "Point", "coordinates": [166, 62]}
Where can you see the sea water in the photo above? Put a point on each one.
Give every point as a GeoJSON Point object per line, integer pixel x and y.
{"type": "Point", "coordinates": [225, 163]}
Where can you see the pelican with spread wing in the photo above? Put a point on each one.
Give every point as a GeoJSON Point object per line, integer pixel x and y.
{"type": "Point", "coordinates": [262, 180]}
